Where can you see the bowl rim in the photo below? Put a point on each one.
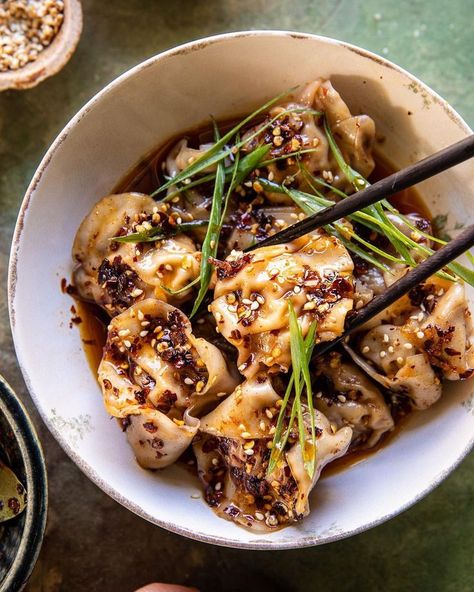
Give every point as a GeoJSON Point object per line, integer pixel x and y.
{"type": "Point", "coordinates": [36, 486]}
{"type": "Point", "coordinates": [183, 49]}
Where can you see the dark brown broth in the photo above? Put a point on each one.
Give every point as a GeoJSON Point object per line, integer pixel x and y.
{"type": "Point", "coordinates": [145, 178]}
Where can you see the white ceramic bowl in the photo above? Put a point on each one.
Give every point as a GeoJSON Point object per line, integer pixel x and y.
{"type": "Point", "coordinates": [224, 75]}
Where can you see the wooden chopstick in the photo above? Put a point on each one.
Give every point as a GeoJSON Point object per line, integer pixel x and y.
{"type": "Point", "coordinates": [463, 242]}
{"type": "Point", "coordinates": [411, 175]}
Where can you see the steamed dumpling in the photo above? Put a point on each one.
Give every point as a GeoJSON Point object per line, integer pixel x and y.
{"type": "Point", "coordinates": [157, 377]}
{"type": "Point", "coordinates": [252, 291]}
{"type": "Point", "coordinates": [391, 356]}
{"type": "Point", "coordinates": [233, 449]}
{"type": "Point", "coordinates": [348, 398]}
{"type": "Point", "coordinates": [116, 275]}
{"type": "Point", "coordinates": [291, 132]}
{"type": "Point", "coordinates": [424, 336]}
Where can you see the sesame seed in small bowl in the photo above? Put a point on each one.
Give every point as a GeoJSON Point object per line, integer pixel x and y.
{"type": "Point", "coordinates": [37, 39]}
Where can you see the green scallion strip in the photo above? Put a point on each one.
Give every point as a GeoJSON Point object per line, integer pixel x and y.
{"type": "Point", "coordinates": [400, 241]}
{"type": "Point", "coordinates": [280, 440]}
{"type": "Point", "coordinates": [156, 232]}
{"type": "Point", "coordinates": [181, 290]}
{"type": "Point", "coordinates": [219, 151]}
{"type": "Point", "coordinates": [211, 240]}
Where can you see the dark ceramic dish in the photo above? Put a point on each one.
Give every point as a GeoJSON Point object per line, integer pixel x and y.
{"type": "Point", "coordinates": [20, 538]}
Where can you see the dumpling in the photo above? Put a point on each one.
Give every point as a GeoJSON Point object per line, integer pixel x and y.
{"type": "Point", "coordinates": [424, 336]}
{"type": "Point", "coordinates": [233, 449]}
{"type": "Point", "coordinates": [116, 275]}
{"type": "Point", "coordinates": [391, 356]}
{"type": "Point", "coordinates": [157, 378]}
{"type": "Point", "coordinates": [448, 333]}
{"type": "Point", "coordinates": [347, 397]}
{"type": "Point", "coordinates": [355, 135]}
{"type": "Point", "coordinates": [299, 130]}
{"type": "Point", "coordinates": [252, 291]}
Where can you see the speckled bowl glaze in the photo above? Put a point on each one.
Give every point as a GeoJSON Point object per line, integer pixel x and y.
{"type": "Point", "coordinates": [169, 93]}
{"type": "Point", "coordinates": [21, 537]}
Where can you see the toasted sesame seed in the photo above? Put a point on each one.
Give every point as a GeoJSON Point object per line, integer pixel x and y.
{"type": "Point", "coordinates": [390, 349]}
{"type": "Point", "coordinates": [249, 451]}
{"type": "Point", "coordinates": [246, 435]}
{"type": "Point", "coordinates": [420, 334]}
{"type": "Point", "coordinates": [188, 380]}
{"type": "Point", "coordinates": [341, 398]}
{"type": "Point", "coordinates": [143, 333]}
{"type": "Point", "coordinates": [136, 292]}
{"type": "Point", "coordinates": [127, 343]}
{"type": "Point", "coordinates": [268, 413]}
{"type": "Point", "coordinates": [124, 332]}
{"type": "Point", "coordinates": [272, 520]}
{"type": "Point", "coordinates": [400, 360]}
{"type": "Point", "coordinates": [259, 516]}
{"type": "Point", "coordinates": [385, 338]}
{"type": "Point", "coordinates": [278, 140]}
{"type": "Point", "coordinates": [309, 306]}
{"type": "Point", "coordinates": [140, 315]}
{"type": "Point", "coordinates": [218, 486]}
{"type": "Point", "coordinates": [383, 354]}
{"type": "Point", "coordinates": [365, 349]}
{"type": "Point", "coordinates": [408, 346]}
{"type": "Point", "coordinates": [262, 425]}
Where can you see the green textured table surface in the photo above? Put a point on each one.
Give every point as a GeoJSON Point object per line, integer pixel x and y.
{"type": "Point", "coordinates": [94, 544]}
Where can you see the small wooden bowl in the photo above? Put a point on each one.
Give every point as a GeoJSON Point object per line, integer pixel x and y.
{"type": "Point", "coordinates": [51, 59]}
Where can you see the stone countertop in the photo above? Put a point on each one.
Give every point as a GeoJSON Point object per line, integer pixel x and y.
{"type": "Point", "coordinates": [94, 544]}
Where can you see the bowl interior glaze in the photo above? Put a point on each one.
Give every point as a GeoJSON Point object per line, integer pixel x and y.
{"type": "Point", "coordinates": [223, 75]}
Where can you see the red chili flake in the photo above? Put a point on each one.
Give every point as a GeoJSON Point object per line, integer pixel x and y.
{"type": "Point", "coordinates": [14, 505]}
{"type": "Point", "coordinates": [228, 269]}
{"type": "Point", "coordinates": [166, 401]}
{"type": "Point", "coordinates": [150, 427]}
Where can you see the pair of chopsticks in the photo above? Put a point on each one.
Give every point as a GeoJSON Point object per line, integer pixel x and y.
{"type": "Point", "coordinates": [411, 175]}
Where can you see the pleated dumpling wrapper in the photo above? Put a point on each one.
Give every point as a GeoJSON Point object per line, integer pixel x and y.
{"type": "Point", "coordinates": [115, 275]}
{"type": "Point", "coordinates": [233, 449]}
{"type": "Point", "coordinates": [157, 377]}
{"type": "Point", "coordinates": [252, 290]}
